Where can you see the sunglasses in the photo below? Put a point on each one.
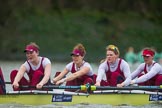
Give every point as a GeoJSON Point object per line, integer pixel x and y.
{"type": "Point", "coordinates": [146, 56]}
{"type": "Point", "coordinates": [29, 52]}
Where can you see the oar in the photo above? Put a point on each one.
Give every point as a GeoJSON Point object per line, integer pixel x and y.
{"type": "Point", "coordinates": [93, 88]}
{"type": "Point", "coordinates": [82, 87]}
{"type": "Point", "coordinates": [47, 92]}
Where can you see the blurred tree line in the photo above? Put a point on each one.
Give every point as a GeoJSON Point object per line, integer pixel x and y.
{"type": "Point", "coordinates": [150, 9]}
{"type": "Point", "coordinates": [57, 25]}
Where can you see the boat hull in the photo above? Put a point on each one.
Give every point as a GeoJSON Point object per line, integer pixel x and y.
{"type": "Point", "coordinates": [44, 99]}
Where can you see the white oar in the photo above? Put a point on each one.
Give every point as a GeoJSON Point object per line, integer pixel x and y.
{"type": "Point", "coordinates": [36, 92]}
{"type": "Point", "coordinates": [126, 92]}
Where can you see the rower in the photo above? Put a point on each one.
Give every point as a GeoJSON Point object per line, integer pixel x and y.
{"type": "Point", "coordinates": [148, 73]}
{"type": "Point", "coordinates": [2, 83]}
{"type": "Point", "coordinates": [37, 68]}
{"type": "Point", "coordinates": [78, 71]}
{"type": "Point", "coordinates": [115, 69]}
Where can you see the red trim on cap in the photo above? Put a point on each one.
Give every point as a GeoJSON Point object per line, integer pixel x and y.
{"type": "Point", "coordinates": [147, 52]}
{"type": "Point", "coordinates": [77, 52]}
{"type": "Point", "coordinates": [31, 48]}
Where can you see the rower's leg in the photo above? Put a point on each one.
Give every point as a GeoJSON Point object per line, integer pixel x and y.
{"type": "Point", "coordinates": [104, 83]}
{"type": "Point", "coordinates": [72, 83]}
{"type": "Point", "coordinates": [23, 80]}
{"type": "Point", "coordinates": [94, 78]}
{"type": "Point", "coordinates": [143, 83]}
{"type": "Point", "coordinates": [36, 78]}
{"type": "Point", "coordinates": [56, 74]}
{"type": "Point", "coordinates": [116, 78]}
{"type": "Point", "coordinates": [158, 80]}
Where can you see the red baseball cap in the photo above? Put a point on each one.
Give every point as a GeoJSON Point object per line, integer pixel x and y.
{"type": "Point", "coordinates": [148, 52]}
{"type": "Point", "coordinates": [31, 48]}
{"type": "Point", "coordinates": [77, 52]}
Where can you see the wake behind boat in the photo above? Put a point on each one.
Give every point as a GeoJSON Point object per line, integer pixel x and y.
{"type": "Point", "coordinates": [98, 95]}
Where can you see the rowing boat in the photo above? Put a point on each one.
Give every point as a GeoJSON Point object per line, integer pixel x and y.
{"type": "Point", "coordinates": [116, 96]}
{"type": "Point", "coordinates": [111, 97]}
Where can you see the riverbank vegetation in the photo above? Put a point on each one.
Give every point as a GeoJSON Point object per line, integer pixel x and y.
{"type": "Point", "coordinates": [56, 26]}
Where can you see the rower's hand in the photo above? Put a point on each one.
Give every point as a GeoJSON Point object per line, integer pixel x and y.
{"type": "Point", "coordinates": [60, 81]}
{"type": "Point", "coordinates": [97, 84]}
{"type": "Point", "coordinates": [39, 85]}
{"type": "Point", "coordinates": [54, 81]}
{"type": "Point", "coordinates": [132, 82]}
{"type": "Point", "coordinates": [15, 85]}
{"type": "Point", "coordinates": [120, 85]}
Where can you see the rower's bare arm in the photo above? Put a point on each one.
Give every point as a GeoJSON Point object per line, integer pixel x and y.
{"type": "Point", "coordinates": [121, 85]}
{"type": "Point", "coordinates": [19, 75]}
{"type": "Point", "coordinates": [75, 75]}
{"type": "Point", "coordinates": [78, 74]}
{"type": "Point", "coordinates": [47, 73]}
{"type": "Point", "coordinates": [60, 76]}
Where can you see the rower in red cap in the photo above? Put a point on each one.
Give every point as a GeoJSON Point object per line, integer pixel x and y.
{"type": "Point", "coordinates": [37, 68]}
{"type": "Point", "coordinates": [80, 71]}
{"type": "Point", "coordinates": [149, 72]}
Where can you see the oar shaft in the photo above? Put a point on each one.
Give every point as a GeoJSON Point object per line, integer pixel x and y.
{"type": "Point", "coordinates": [128, 88]}
{"type": "Point", "coordinates": [61, 87]}
{"type": "Point", "coordinates": [83, 87]}
{"type": "Point", "coordinates": [93, 88]}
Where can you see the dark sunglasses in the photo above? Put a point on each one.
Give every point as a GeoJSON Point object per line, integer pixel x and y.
{"type": "Point", "coordinates": [29, 52]}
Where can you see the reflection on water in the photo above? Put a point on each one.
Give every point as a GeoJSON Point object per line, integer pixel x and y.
{"type": "Point", "coordinates": [8, 66]}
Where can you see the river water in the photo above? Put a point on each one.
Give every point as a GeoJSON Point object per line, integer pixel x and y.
{"type": "Point", "coordinates": [7, 66]}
